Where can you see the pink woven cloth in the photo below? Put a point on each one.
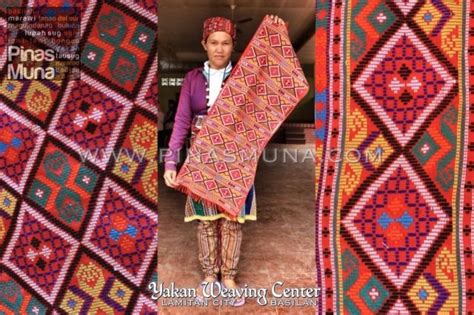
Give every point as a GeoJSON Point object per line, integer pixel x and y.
{"type": "Point", "coordinates": [263, 89]}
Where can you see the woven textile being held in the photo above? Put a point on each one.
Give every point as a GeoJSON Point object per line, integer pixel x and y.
{"type": "Point", "coordinates": [262, 90]}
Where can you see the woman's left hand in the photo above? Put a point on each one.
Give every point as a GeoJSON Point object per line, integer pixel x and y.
{"type": "Point", "coordinates": [277, 20]}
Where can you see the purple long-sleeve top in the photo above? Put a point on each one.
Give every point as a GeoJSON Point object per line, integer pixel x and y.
{"type": "Point", "coordinates": [192, 102]}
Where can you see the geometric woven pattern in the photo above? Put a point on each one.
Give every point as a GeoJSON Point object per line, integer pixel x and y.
{"type": "Point", "coordinates": [116, 234]}
{"type": "Point", "coordinates": [263, 88]}
{"type": "Point", "coordinates": [393, 227]}
{"type": "Point", "coordinates": [78, 170]}
{"type": "Point", "coordinates": [39, 252]}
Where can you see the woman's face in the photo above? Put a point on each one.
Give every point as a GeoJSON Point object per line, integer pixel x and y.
{"type": "Point", "coordinates": [219, 46]}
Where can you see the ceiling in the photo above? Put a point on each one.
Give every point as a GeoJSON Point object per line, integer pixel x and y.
{"type": "Point", "coordinates": [180, 25]}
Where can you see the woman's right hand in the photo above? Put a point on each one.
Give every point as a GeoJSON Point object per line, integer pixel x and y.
{"type": "Point", "coordinates": [170, 178]}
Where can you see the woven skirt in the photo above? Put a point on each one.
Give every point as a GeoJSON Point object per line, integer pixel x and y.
{"type": "Point", "coordinates": [195, 210]}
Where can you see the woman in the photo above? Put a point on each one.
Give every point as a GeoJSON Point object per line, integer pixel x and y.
{"type": "Point", "coordinates": [218, 251]}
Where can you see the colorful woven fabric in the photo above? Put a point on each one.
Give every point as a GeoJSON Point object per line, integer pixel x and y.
{"type": "Point", "coordinates": [394, 134]}
{"type": "Point", "coordinates": [78, 171]}
{"type": "Point", "coordinates": [263, 88]}
{"type": "Point", "coordinates": [195, 210]}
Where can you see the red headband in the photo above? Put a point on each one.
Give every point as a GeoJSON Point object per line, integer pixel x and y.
{"type": "Point", "coordinates": [216, 24]}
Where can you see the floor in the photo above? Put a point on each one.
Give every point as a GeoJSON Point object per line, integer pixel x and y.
{"type": "Point", "coordinates": [279, 246]}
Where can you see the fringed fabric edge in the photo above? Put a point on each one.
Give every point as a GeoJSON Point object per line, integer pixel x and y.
{"type": "Point", "coordinates": [188, 191]}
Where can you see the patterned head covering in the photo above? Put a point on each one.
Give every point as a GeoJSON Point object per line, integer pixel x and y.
{"type": "Point", "coordinates": [216, 24]}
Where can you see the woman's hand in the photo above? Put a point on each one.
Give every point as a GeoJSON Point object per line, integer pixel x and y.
{"type": "Point", "coordinates": [170, 178]}
{"type": "Point", "coordinates": [277, 20]}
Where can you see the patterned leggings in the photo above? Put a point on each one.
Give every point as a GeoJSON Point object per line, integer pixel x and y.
{"type": "Point", "coordinates": [219, 249]}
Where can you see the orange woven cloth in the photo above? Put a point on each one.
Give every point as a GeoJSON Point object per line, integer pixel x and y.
{"type": "Point", "coordinates": [263, 89]}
